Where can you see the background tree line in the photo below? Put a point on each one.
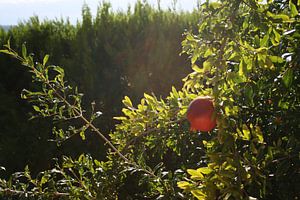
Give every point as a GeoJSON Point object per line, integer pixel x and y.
{"type": "Point", "coordinates": [108, 56]}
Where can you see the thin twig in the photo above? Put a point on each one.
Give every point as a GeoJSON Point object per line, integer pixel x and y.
{"type": "Point", "coordinates": [89, 124]}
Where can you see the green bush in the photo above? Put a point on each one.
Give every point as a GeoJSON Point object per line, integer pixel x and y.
{"type": "Point", "coordinates": [108, 56]}
{"type": "Point", "coordinates": [245, 55]}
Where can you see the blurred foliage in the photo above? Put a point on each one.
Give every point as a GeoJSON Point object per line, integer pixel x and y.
{"type": "Point", "coordinates": [245, 55]}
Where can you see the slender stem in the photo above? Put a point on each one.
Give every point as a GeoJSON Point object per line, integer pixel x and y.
{"type": "Point", "coordinates": [45, 80]}
{"type": "Point", "coordinates": [88, 123]}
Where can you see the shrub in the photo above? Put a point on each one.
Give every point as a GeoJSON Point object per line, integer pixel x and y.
{"type": "Point", "coordinates": [245, 55]}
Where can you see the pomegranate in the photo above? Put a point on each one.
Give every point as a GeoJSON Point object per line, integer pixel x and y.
{"type": "Point", "coordinates": [200, 114]}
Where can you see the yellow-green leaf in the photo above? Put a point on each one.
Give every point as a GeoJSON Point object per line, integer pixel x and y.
{"type": "Point", "coordinates": [207, 53]}
{"type": "Point", "coordinates": [245, 133]}
{"type": "Point", "coordinates": [45, 60]}
{"type": "Point", "coordinates": [127, 102]}
{"type": "Point", "coordinates": [36, 108]}
{"type": "Point", "coordinates": [215, 5]}
{"type": "Point", "coordinates": [264, 41]}
{"type": "Point", "coordinates": [206, 65]}
{"type": "Point", "coordinates": [195, 174]}
{"type": "Point", "coordinates": [294, 11]}
{"type": "Point", "coordinates": [24, 51]}
{"type": "Point", "coordinates": [197, 69]}
{"type": "Point", "coordinates": [276, 59]}
{"type": "Point", "coordinates": [288, 78]}
{"type": "Point", "coordinates": [242, 70]}
{"type": "Point", "coordinates": [277, 35]}
{"type": "Point", "coordinates": [204, 170]}
{"type": "Point", "coordinates": [259, 135]}
{"type": "Point", "coordinates": [184, 185]}
{"type": "Point", "coordinates": [198, 194]}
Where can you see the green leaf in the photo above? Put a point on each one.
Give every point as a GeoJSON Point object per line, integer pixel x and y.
{"type": "Point", "coordinates": [242, 70]}
{"type": "Point", "coordinates": [27, 172]}
{"type": "Point", "coordinates": [282, 17]}
{"type": "Point", "coordinates": [184, 185]}
{"type": "Point", "coordinates": [44, 179]}
{"type": "Point", "coordinates": [194, 59]}
{"type": "Point", "coordinates": [7, 52]}
{"type": "Point", "coordinates": [277, 35]}
{"type": "Point", "coordinates": [195, 174]}
{"type": "Point", "coordinates": [276, 59]}
{"type": "Point", "coordinates": [24, 51]}
{"type": "Point", "coordinates": [264, 41]}
{"type": "Point", "coordinates": [284, 105]}
{"type": "Point", "coordinates": [127, 102]}
{"type": "Point", "coordinates": [8, 44]}
{"type": "Point", "coordinates": [258, 133]}
{"type": "Point", "coordinates": [190, 37]}
{"type": "Point", "coordinates": [97, 163]}
{"type": "Point", "coordinates": [207, 53]}
{"type": "Point", "coordinates": [245, 24]}
{"type": "Point", "coordinates": [197, 69]}
{"type": "Point", "coordinates": [215, 5]}
{"type": "Point", "coordinates": [294, 11]}
{"type": "Point", "coordinates": [206, 65]}
{"type": "Point", "coordinates": [175, 93]}
{"type": "Point", "coordinates": [245, 133]}
{"type": "Point", "coordinates": [120, 118]}
{"type": "Point", "coordinates": [45, 60]}
{"type": "Point", "coordinates": [198, 194]}
{"type": "Point", "coordinates": [150, 99]}
{"type": "Point", "coordinates": [58, 69]}
{"type": "Point", "coordinates": [288, 78]}
{"type": "Point", "coordinates": [36, 108]}
{"type": "Point", "coordinates": [234, 56]}
{"type": "Point", "coordinates": [204, 170]}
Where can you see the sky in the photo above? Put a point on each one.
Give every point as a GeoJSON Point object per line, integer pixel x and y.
{"type": "Point", "coordinates": [14, 11]}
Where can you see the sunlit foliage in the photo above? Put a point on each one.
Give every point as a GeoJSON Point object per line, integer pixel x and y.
{"type": "Point", "coordinates": [245, 55]}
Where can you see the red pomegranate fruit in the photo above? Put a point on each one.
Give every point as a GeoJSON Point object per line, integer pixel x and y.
{"type": "Point", "coordinates": [200, 114]}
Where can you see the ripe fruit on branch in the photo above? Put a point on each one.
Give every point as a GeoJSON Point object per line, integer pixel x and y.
{"type": "Point", "coordinates": [201, 115]}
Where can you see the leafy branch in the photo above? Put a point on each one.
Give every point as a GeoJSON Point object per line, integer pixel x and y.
{"type": "Point", "coordinates": [60, 101]}
{"type": "Point", "coordinates": [54, 93]}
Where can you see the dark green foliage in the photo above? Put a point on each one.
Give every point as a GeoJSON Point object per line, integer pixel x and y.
{"type": "Point", "coordinates": [107, 56]}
